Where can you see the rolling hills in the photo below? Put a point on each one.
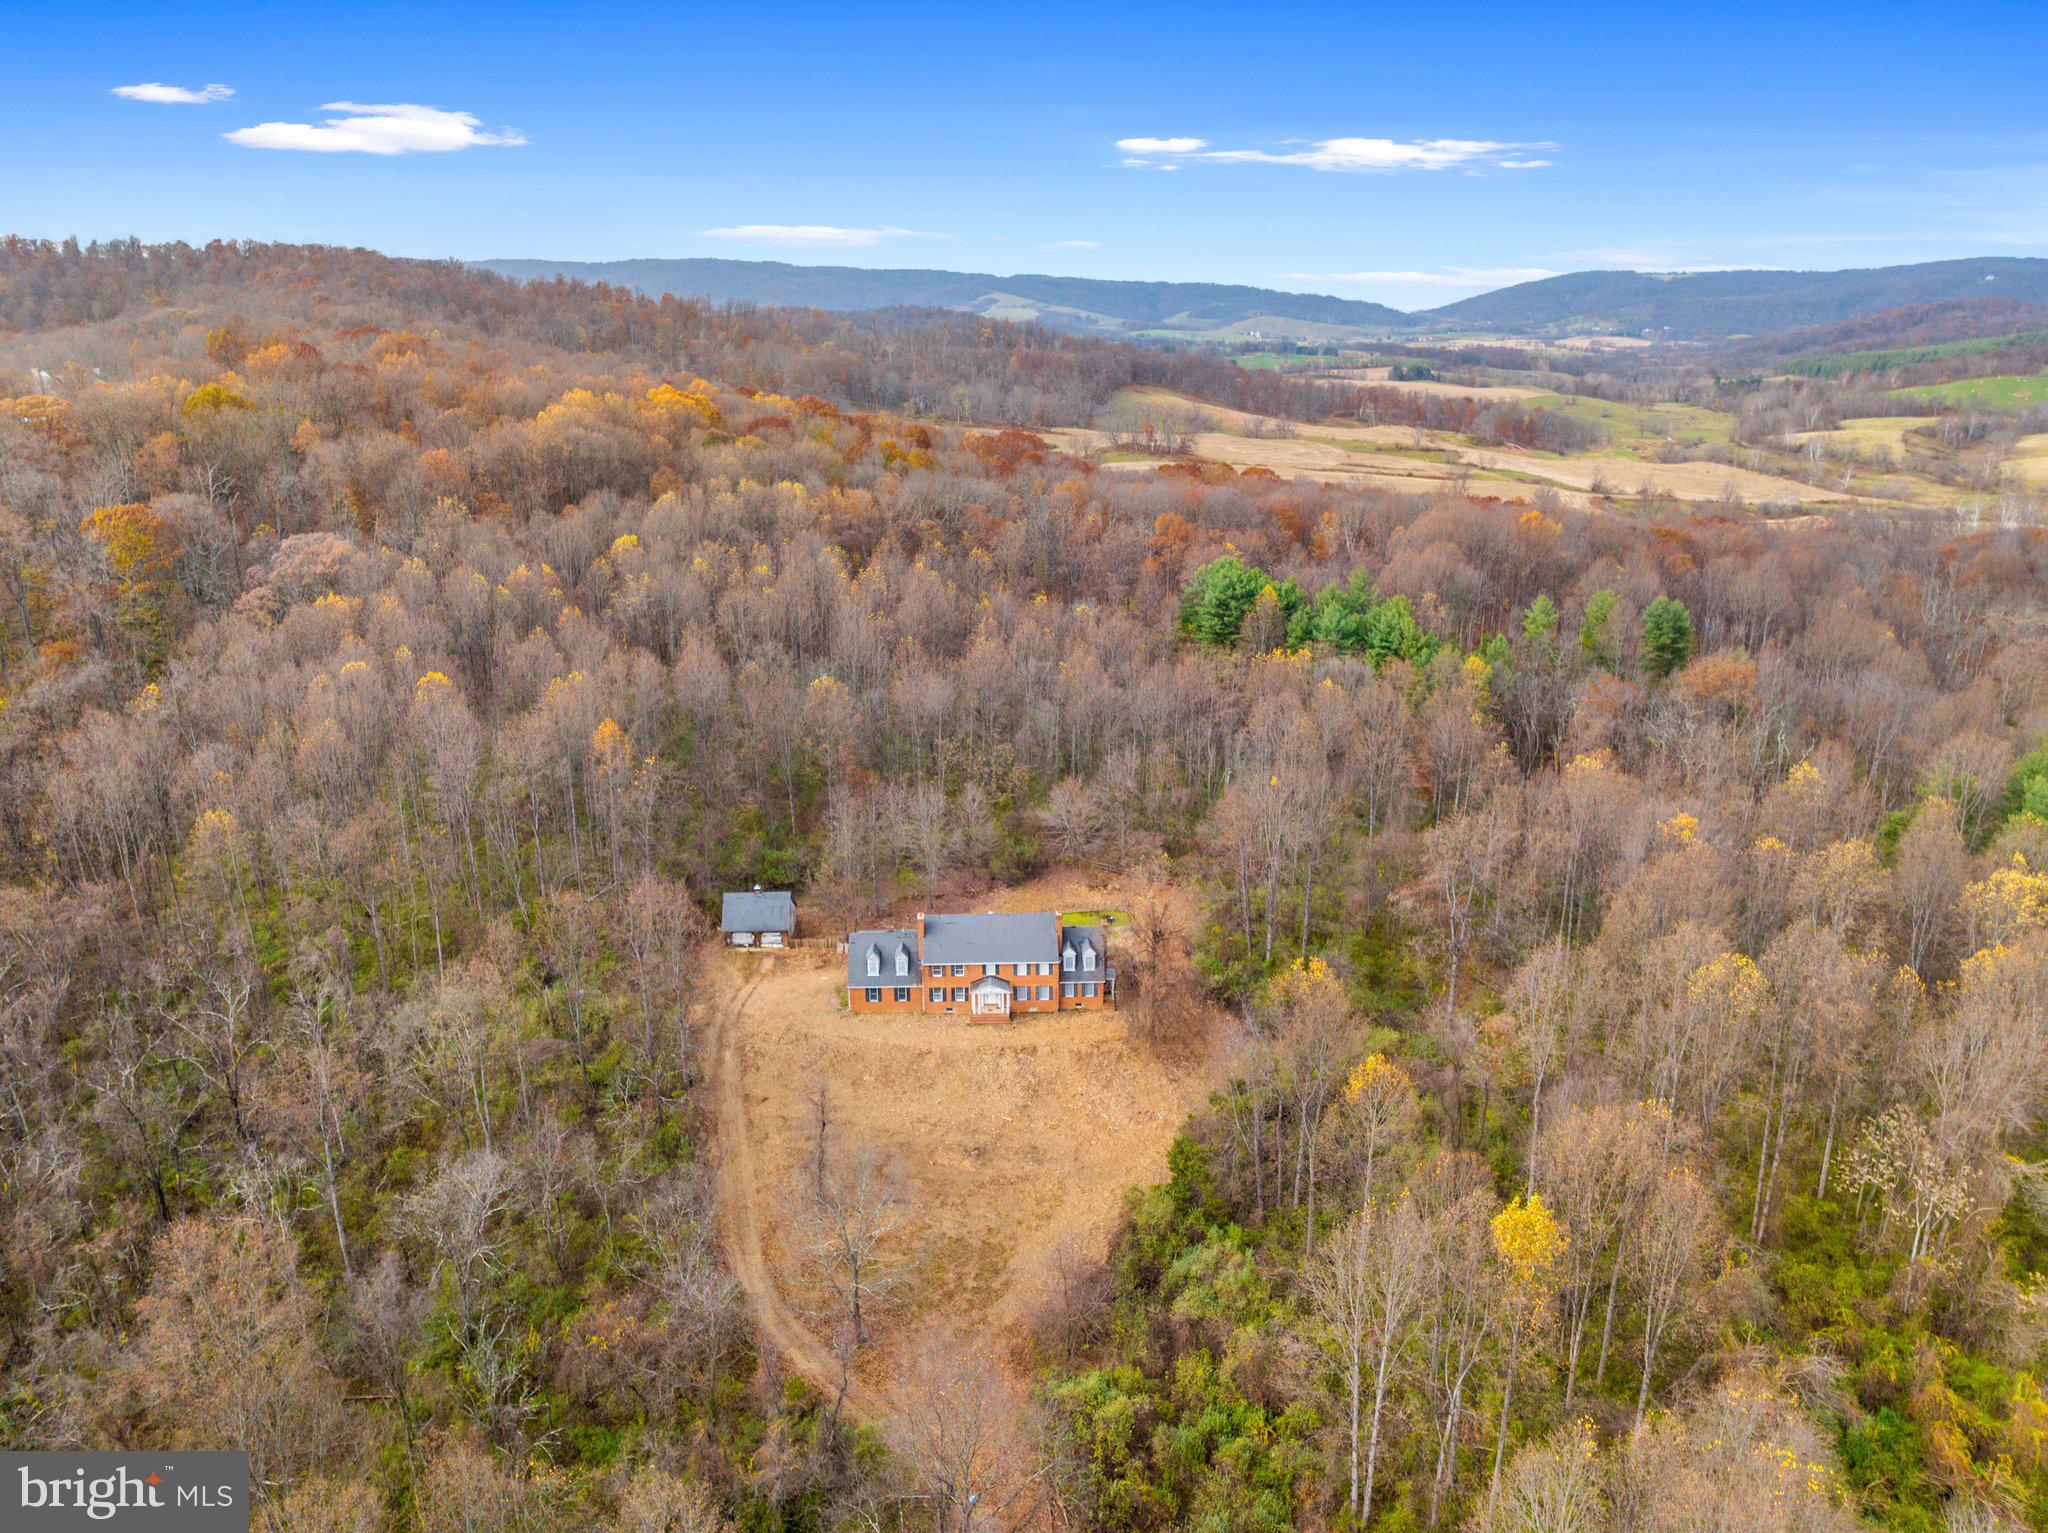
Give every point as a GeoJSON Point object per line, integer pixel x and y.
{"type": "Point", "coordinates": [1954, 326]}
{"type": "Point", "coordinates": [1081, 304]}
{"type": "Point", "coordinates": [1711, 305]}
{"type": "Point", "coordinates": [1690, 306]}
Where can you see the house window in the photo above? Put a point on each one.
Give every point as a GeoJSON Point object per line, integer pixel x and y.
{"type": "Point", "coordinates": [1089, 991]}
{"type": "Point", "coordinates": [1067, 990]}
{"type": "Point", "coordinates": [935, 996]}
{"type": "Point", "coordinates": [902, 992]}
{"type": "Point", "coordinates": [959, 971]}
{"type": "Point", "coordinates": [1087, 957]}
{"type": "Point", "coordinates": [959, 992]}
{"type": "Point", "coordinates": [874, 963]}
{"type": "Point", "coordinates": [874, 995]}
{"type": "Point", "coordinates": [1045, 991]}
{"type": "Point", "coordinates": [1068, 959]}
{"type": "Point", "coordinates": [902, 960]}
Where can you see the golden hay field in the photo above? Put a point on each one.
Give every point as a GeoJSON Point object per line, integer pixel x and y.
{"type": "Point", "coordinates": [2029, 461]}
{"type": "Point", "coordinates": [1678, 481]}
{"type": "Point", "coordinates": [1405, 458]}
{"type": "Point", "coordinates": [1865, 434]}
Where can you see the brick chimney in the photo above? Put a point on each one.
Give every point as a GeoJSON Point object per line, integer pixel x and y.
{"type": "Point", "coordinates": [920, 941]}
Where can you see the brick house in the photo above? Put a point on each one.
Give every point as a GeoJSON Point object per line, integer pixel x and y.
{"type": "Point", "coordinates": [987, 966]}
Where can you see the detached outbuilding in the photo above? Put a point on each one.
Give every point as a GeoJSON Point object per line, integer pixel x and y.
{"type": "Point", "coordinates": [757, 917]}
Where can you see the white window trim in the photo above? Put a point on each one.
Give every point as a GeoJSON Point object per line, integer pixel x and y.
{"type": "Point", "coordinates": [874, 963]}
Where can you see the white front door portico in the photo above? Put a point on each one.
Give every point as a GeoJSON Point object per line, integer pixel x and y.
{"type": "Point", "coordinates": [990, 997]}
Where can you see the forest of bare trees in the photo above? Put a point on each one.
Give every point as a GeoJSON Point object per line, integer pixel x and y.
{"type": "Point", "coordinates": [1642, 1009]}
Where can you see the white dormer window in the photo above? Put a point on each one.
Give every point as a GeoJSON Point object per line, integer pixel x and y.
{"type": "Point", "coordinates": [1087, 957]}
{"type": "Point", "coordinates": [1067, 959]}
{"type": "Point", "coordinates": [874, 963]}
{"type": "Point", "coordinates": [903, 960]}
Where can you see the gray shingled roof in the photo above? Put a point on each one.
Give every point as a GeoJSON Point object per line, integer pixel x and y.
{"type": "Point", "coordinates": [756, 910]}
{"type": "Point", "coordinates": [888, 944]}
{"type": "Point", "coordinates": [1033, 937]}
{"type": "Point", "coordinates": [1080, 938]}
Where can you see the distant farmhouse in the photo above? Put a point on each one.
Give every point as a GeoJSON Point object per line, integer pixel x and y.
{"type": "Point", "coordinates": [758, 918]}
{"type": "Point", "coordinates": [988, 966]}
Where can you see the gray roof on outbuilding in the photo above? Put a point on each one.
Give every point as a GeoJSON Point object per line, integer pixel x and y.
{"type": "Point", "coordinates": [1031, 937]}
{"type": "Point", "coordinates": [757, 910]}
{"type": "Point", "coordinates": [886, 945]}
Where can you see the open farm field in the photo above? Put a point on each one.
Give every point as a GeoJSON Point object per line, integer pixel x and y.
{"type": "Point", "coordinates": [2005, 391]}
{"type": "Point", "coordinates": [1406, 458]}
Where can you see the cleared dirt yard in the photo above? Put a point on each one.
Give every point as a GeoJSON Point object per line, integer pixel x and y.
{"type": "Point", "coordinates": [1009, 1140]}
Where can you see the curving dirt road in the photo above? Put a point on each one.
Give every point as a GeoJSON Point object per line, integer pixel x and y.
{"type": "Point", "coordinates": [740, 1200]}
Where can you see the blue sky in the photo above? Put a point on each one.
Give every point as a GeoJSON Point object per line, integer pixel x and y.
{"type": "Point", "coordinates": [1410, 155]}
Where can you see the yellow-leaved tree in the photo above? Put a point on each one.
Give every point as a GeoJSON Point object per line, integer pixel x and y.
{"type": "Point", "coordinates": [1527, 1244]}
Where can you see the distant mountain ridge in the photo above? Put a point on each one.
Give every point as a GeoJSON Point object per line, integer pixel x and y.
{"type": "Point", "coordinates": [1917, 325]}
{"type": "Point", "coordinates": [1069, 303]}
{"type": "Point", "coordinates": [1712, 305]}
{"type": "Point", "coordinates": [1691, 306]}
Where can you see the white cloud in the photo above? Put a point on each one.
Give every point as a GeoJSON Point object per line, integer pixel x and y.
{"type": "Point", "coordinates": [175, 95]}
{"type": "Point", "coordinates": [1450, 276]}
{"type": "Point", "coordinates": [815, 234]}
{"type": "Point", "coordinates": [391, 129]}
{"type": "Point", "coordinates": [1377, 156]}
{"type": "Point", "coordinates": [1668, 260]}
{"type": "Point", "coordinates": [1655, 262]}
{"type": "Point", "coordinates": [1077, 244]}
{"type": "Point", "coordinates": [1620, 255]}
